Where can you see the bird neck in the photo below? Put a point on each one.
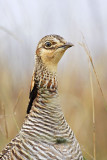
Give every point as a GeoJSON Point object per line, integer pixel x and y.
{"type": "Point", "coordinates": [47, 101]}
{"type": "Point", "coordinates": [46, 118]}
{"type": "Point", "coordinates": [45, 76]}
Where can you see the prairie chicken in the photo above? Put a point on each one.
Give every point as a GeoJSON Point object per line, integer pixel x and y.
{"type": "Point", "coordinates": [45, 134]}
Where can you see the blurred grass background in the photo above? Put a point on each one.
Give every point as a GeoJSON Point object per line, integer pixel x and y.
{"type": "Point", "coordinates": [22, 25]}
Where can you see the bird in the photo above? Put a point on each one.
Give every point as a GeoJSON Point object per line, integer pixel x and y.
{"type": "Point", "coordinates": [45, 134]}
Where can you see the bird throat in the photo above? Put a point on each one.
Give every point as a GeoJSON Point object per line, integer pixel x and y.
{"type": "Point", "coordinates": [45, 76]}
{"type": "Point", "coordinates": [47, 86]}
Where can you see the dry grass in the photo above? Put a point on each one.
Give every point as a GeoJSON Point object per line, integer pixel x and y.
{"type": "Point", "coordinates": [90, 61]}
{"type": "Point", "coordinates": [83, 44]}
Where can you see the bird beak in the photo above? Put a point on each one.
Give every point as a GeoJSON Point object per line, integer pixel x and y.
{"type": "Point", "coordinates": [66, 45]}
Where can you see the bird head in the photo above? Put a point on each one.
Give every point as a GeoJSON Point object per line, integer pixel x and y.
{"type": "Point", "coordinates": [50, 49]}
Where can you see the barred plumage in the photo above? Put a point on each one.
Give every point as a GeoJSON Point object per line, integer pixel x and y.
{"type": "Point", "coordinates": [45, 133]}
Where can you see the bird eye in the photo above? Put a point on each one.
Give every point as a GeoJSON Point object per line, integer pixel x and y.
{"type": "Point", "coordinates": [48, 44]}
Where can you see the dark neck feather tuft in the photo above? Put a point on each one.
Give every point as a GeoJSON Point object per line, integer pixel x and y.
{"type": "Point", "coordinates": [42, 79]}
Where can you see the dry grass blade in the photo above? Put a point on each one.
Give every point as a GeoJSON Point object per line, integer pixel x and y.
{"type": "Point", "coordinates": [5, 122]}
{"type": "Point", "coordinates": [93, 107]}
{"type": "Point", "coordinates": [13, 112]}
{"type": "Point", "coordinates": [85, 47]}
{"type": "Point", "coordinates": [89, 155]}
{"type": "Point", "coordinates": [10, 33]}
{"type": "Point", "coordinates": [92, 94]}
{"type": "Point", "coordinates": [1, 130]}
{"type": "Point", "coordinates": [18, 129]}
{"type": "Point", "coordinates": [15, 106]}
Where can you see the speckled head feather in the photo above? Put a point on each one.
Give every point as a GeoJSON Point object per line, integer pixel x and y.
{"type": "Point", "coordinates": [53, 38]}
{"type": "Point", "coordinates": [50, 49]}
